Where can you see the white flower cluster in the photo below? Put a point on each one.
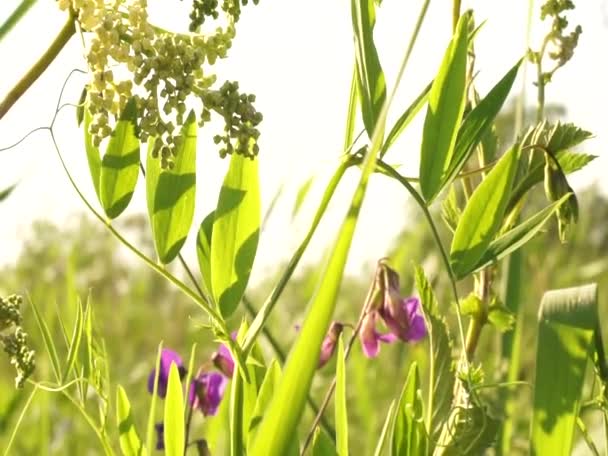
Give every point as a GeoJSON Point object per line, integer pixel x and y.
{"type": "Point", "coordinates": [163, 70]}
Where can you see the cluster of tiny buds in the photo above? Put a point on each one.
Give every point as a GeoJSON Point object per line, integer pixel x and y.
{"type": "Point", "coordinates": [564, 43]}
{"type": "Point", "coordinates": [14, 339]}
{"type": "Point", "coordinates": [202, 9]}
{"type": "Point", "coordinates": [165, 73]}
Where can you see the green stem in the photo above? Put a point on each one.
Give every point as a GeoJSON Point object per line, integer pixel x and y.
{"type": "Point", "coordinates": [455, 14]}
{"type": "Point", "coordinates": [19, 420]}
{"type": "Point", "coordinates": [39, 67]}
{"type": "Point", "coordinates": [15, 17]}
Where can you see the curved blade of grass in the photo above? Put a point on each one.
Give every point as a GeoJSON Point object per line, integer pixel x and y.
{"type": "Point", "coordinates": [174, 432]}
{"type": "Point", "coordinates": [445, 109]}
{"type": "Point", "coordinates": [370, 77]}
{"type": "Point", "coordinates": [568, 320]}
{"type": "Point", "coordinates": [130, 443]}
{"type": "Point", "coordinates": [408, 434]}
{"type": "Point", "coordinates": [120, 164]}
{"type": "Point", "coordinates": [483, 215]}
{"type": "Point", "coordinates": [405, 119]}
{"type": "Point", "coordinates": [341, 412]}
{"type": "Point", "coordinates": [518, 236]}
{"type": "Point", "coordinates": [478, 121]}
{"type": "Point", "coordinates": [235, 234]}
{"type": "Point", "coordinates": [47, 338]}
{"type": "Point", "coordinates": [170, 194]}
{"type": "Point", "coordinates": [74, 343]}
{"type": "Point", "coordinates": [388, 424]}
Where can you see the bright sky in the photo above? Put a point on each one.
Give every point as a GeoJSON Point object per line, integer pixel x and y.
{"type": "Point", "coordinates": [297, 58]}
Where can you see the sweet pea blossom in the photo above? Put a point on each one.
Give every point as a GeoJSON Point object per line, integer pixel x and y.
{"type": "Point", "coordinates": [222, 360]}
{"type": "Point", "coordinates": [206, 392]}
{"type": "Point", "coordinates": [328, 347]}
{"type": "Point", "coordinates": [167, 357]}
{"type": "Point", "coordinates": [370, 338]}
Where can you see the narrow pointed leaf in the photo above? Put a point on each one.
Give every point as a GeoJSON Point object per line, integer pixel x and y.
{"type": "Point", "coordinates": [170, 194]}
{"type": "Point", "coordinates": [235, 234]}
{"type": "Point", "coordinates": [518, 236]}
{"type": "Point", "coordinates": [409, 435]}
{"type": "Point", "coordinates": [483, 215]}
{"type": "Point", "coordinates": [203, 249]}
{"type": "Point", "coordinates": [370, 77]}
{"type": "Point", "coordinates": [444, 113]}
{"type": "Point", "coordinates": [568, 319]}
{"type": "Point", "coordinates": [6, 192]}
{"type": "Point", "coordinates": [388, 424]}
{"type": "Point", "coordinates": [477, 123]}
{"type": "Point", "coordinates": [74, 343]}
{"type": "Point", "coordinates": [271, 380]}
{"type": "Point", "coordinates": [120, 164]}
{"type": "Point", "coordinates": [93, 154]}
{"type": "Point", "coordinates": [301, 196]}
{"type": "Point", "coordinates": [47, 338]}
{"type": "Point", "coordinates": [322, 445]}
{"type": "Point", "coordinates": [152, 410]}
{"type": "Point", "coordinates": [340, 402]}
{"type": "Point", "coordinates": [174, 415]}
{"type": "Point", "coordinates": [130, 443]}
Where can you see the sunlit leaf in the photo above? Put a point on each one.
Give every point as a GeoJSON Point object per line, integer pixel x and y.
{"type": "Point", "coordinates": [445, 109]}
{"type": "Point", "coordinates": [170, 194]}
{"type": "Point", "coordinates": [93, 154]}
{"type": "Point", "coordinates": [203, 249]}
{"type": "Point", "coordinates": [568, 319]}
{"type": "Point", "coordinates": [120, 164]}
{"type": "Point", "coordinates": [74, 343]}
{"type": "Point", "coordinates": [370, 78]}
{"type": "Point", "coordinates": [341, 412]}
{"type": "Point", "coordinates": [48, 341]}
{"type": "Point", "coordinates": [483, 215]}
{"type": "Point", "coordinates": [235, 234]}
{"type": "Point", "coordinates": [174, 432]}
{"type": "Point", "coordinates": [302, 192]}
{"type": "Point", "coordinates": [130, 443]}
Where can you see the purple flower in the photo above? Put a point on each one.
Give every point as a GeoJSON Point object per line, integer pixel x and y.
{"type": "Point", "coordinates": [206, 392]}
{"type": "Point", "coordinates": [328, 347]}
{"type": "Point", "coordinates": [222, 360]}
{"type": "Point", "coordinates": [370, 338]}
{"type": "Point", "coordinates": [405, 320]}
{"type": "Point", "coordinates": [160, 436]}
{"type": "Point", "coordinates": [167, 357]}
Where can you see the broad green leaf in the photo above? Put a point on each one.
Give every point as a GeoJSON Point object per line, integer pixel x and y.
{"type": "Point", "coordinates": [174, 415]}
{"type": "Point", "coordinates": [517, 237]}
{"type": "Point", "coordinates": [388, 423]}
{"type": "Point", "coordinates": [6, 192]}
{"type": "Point", "coordinates": [341, 412]}
{"type": "Point", "coordinates": [171, 193]}
{"type": "Point", "coordinates": [93, 154]}
{"type": "Point", "coordinates": [120, 164]}
{"type": "Point", "coordinates": [47, 338]}
{"type": "Point", "coordinates": [301, 196]}
{"type": "Point", "coordinates": [445, 109]}
{"type": "Point", "coordinates": [235, 234]}
{"type": "Point", "coordinates": [478, 122]}
{"type": "Point", "coordinates": [568, 161]}
{"type": "Point", "coordinates": [130, 443]}
{"type": "Point", "coordinates": [483, 215]}
{"type": "Point", "coordinates": [74, 343]}
{"type": "Point", "coordinates": [409, 435]}
{"type": "Point", "coordinates": [370, 77]}
{"type": "Point", "coordinates": [405, 119]}
{"type": "Point", "coordinates": [203, 249]}
{"type": "Point", "coordinates": [322, 445]}
{"type": "Point", "coordinates": [441, 367]}
{"type": "Point", "coordinates": [568, 319]}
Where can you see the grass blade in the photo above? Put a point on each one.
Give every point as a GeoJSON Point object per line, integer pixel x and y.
{"type": "Point", "coordinates": [47, 338]}
{"type": "Point", "coordinates": [174, 415]}
{"type": "Point", "coordinates": [340, 402]}
{"type": "Point", "coordinates": [130, 443]}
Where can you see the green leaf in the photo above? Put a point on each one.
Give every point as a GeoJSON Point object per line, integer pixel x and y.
{"type": "Point", "coordinates": [568, 161]}
{"type": "Point", "coordinates": [322, 445]}
{"type": "Point", "coordinates": [441, 367]}
{"type": "Point", "coordinates": [478, 122]}
{"type": "Point", "coordinates": [341, 412]}
{"type": "Point", "coordinates": [405, 119]}
{"type": "Point", "coordinates": [47, 338]}
{"type": "Point", "coordinates": [409, 434]}
{"type": "Point", "coordinates": [370, 77]}
{"type": "Point", "coordinates": [501, 318]}
{"type": "Point", "coordinates": [302, 192]}
{"type": "Point", "coordinates": [568, 319]}
{"type": "Point", "coordinates": [388, 423]}
{"type": "Point", "coordinates": [120, 164]}
{"type": "Point", "coordinates": [203, 249]}
{"type": "Point", "coordinates": [6, 192]}
{"type": "Point", "coordinates": [450, 211]}
{"type": "Point", "coordinates": [473, 431]}
{"type": "Point", "coordinates": [81, 106]}
{"type": "Point", "coordinates": [517, 237]}
{"type": "Point", "coordinates": [93, 154]}
{"type": "Point", "coordinates": [130, 443]}
{"type": "Point", "coordinates": [445, 109]}
{"type": "Point", "coordinates": [269, 384]}
{"type": "Point", "coordinates": [483, 215]}
{"type": "Point", "coordinates": [171, 193]}
{"type": "Point", "coordinates": [152, 410]}
{"type": "Point", "coordinates": [174, 415]}
{"type": "Point", "coordinates": [235, 234]}
{"type": "Point", "coordinates": [74, 343]}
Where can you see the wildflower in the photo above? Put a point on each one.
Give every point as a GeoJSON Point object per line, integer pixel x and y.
{"type": "Point", "coordinates": [405, 321]}
{"type": "Point", "coordinates": [329, 343]}
{"type": "Point", "coordinates": [370, 338]}
{"type": "Point", "coordinates": [222, 360]}
{"type": "Point", "coordinates": [167, 357]}
{"type": "Point", "coordinates": [207, 391]}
